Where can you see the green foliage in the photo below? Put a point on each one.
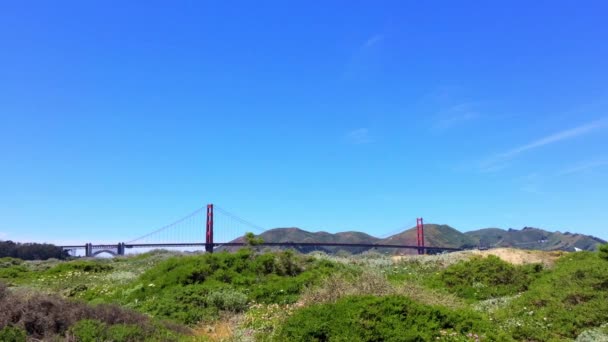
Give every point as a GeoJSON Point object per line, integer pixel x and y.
{"type": "Point", "coordinates": [489, 277]}
{"type": "Point", "coordinates": [12, 334]}
{"type": "Point", "coordinates": [561, 303]}
{"type": "Point", "coordinates": [252, 240]}
{"type": "Point", "coordinates": [389, 318]}
{"type": "Point", "coordinates": [228, 299]}
{"type": "Point", "coordinates": [88, 330]}
{"type": "Point", "coordinates": [193, 288]}
{"type": "Point", "coordinates": [603, 250]}
{"type": "Point", "coordinates": [125, 332]}
{"type": "Point", "coordinates": [13, 272]}
{"type": "Point", "coordinates": [82, 266]}
{"type": "Point", "coordinates": [31, 251]}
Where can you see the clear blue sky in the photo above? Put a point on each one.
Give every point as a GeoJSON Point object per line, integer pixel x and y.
{"type": "Point", "coordinates": [117, 118]}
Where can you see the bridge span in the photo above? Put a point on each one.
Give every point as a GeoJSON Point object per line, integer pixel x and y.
{"type": "Point", "coordinates": [191, 222]}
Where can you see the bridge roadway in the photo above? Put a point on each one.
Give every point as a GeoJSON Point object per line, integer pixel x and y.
{"type": "Point", "coordinates": [119, 248]}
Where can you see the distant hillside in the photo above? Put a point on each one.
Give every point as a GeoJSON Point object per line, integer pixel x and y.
{"type": "Point", "coordinates": [440, 236]}
{"type": "Point", "coordinates": [533, 238]}
{"type": "Point", "coordinates": [299, 235]}
{"type": "Point", "coordinates": [434, 235]}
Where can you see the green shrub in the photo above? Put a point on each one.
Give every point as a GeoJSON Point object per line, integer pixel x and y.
{"type": "Point", "coordinates": [88, 330]}
{"type": "Point", "coordinates": [12, 334]}
{"type": "Point", "coordinates": [188, 289]}
{"type": "Point", "coordinates": [8, 261]}
{"type": "Point", "coordinates": [96, 331]}
{"type": "Point", "coordinates": [388, 318]}
{"type": "Point", "coordinates": [562, 303]}
{"type": "Point", "coordinates": [82, 266]}
{"type": "Point", "coordinates": [13, 272]}
{"type": "Point", "coordinates": [125, 333]}
{"type": "Point", "coordinates": [483, 278]}
{"type": "Point", "coordinates": [228, 299]}
{"type": "Point", "coordinates": [603, 250]}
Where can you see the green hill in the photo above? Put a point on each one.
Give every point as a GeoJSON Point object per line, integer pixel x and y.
{"type": "Point", "coordinates": [533, 238]}
{"type": "Point", "coordinates": [439, 235]}
{"type": "Point", "coordinates": [434, 235]}
{"type": "Point", "coordinates": [299, 235]}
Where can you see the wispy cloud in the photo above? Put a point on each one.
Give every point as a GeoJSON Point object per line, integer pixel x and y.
{"type": "Point", "coordinates": [365, 58]}
{"type": "Point", "coordinates": [358, 136]}
{"type": "Point", "coordinates": [3, 235]}
{"type": "Point", "coordinates": [553, 138]}
{"type": "Point", "coordinates": [584, 167]}
{"type": "Point", "coordinates": [455, 115]}
{"type": "Point", "coordinates": [502, 158]}
{"type": "Point", "coordinates": [373, 40]}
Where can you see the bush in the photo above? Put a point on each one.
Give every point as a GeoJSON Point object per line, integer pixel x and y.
{"type": "Point", "coordinates": [562, 303]}
{"type": "Point", "coordinates": [125, 333]}
{"type": "Point", "coordinates": [604, 251]}
{"type": "Point", "coordinates": [13, 272]}
{"type": "Point", "coordinates": [93, 331]}
{"type": "Point", "coordinates": [483, 278]}
{"type": "Point", "coordinates": [82, 266]}
{"type": "Point", "coordinates": [189, 289]}
{"type": "Point", "coordinates": [43, 317]}
{"type": "Point", "coordinates": [228, 299]}
{"type": "Point", "coordinates": [389, 318]}
{"type": "Point", "coordinates": [88, 330]}
{"type": "Point", "coordinates": [12, 334]}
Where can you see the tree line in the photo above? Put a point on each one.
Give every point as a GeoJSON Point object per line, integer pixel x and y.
{"type": "Point", "coordinates": [31, 251]}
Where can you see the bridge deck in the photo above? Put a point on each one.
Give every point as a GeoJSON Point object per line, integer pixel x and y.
{"type": "Point", "coordinates": [270, 244]}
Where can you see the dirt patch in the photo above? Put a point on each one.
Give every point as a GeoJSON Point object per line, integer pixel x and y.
{"type": "Point", "coordinates": [222, 329]}
{"type": "Point", "coordinates": [522, 256]}
{"type": "Point", "coordinates": [510, 255]}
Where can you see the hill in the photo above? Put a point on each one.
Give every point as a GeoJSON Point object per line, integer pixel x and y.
{"type": "Point", "coordinates": [294, 234]}
{"type": "Point", "coordinates": [439, 235]}
{"type": "Point", "coordinates": [533, 238]}
{"type": "Point", "coordinates": [434, 235]}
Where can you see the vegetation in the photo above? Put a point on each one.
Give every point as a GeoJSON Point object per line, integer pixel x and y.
{"type": "Point", "coordinates": [604, 251]}
{"type": "Point", "coordinates": [562, 303]}
{"type": "Point", "coordinates": [389, 318]}
{"type": "Point", "coordinates": [31, 251]}
{"type": "Point", "coordinates": [490, 277]}
{"type": "Point", "coordinates": [190, 289]}
{"type": "Point", "coordinates": [281, 295]}
{"type": "Point", "coordinates": [46, 317]}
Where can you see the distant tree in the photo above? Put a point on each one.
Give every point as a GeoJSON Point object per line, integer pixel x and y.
{"type": "Point", "coordinates": [31, 251]}
{"type": "Point", "coordinates": [604, 251]}
{"type": "Point", "coordinates": [252, 240]}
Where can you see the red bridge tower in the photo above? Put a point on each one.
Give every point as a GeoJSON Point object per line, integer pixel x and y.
{"type": "Point", "coordinates": [420, 235]}
{"type": "Point", "coordinates": [209, 233]}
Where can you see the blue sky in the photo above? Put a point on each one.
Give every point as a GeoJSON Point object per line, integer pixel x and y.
{"type": "Point", "coordinates": [117, 118]}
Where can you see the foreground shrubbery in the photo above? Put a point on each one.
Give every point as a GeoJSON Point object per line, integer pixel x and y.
{"type": "Point", "coordinates": [483, 278]}
{"type": "Point", "coordinates": [287, 296]}
{"type": "Point", "coordinates": [189, 289]}
{"type": "Point", "coordinates": [564, 302]}
{"type": "Point", "coordinates": [388, 318]}
{"type": "Point", "coordinates": [46, 317]}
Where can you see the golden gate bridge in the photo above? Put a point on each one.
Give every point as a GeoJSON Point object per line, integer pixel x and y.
{"type": "Point", "coordinates": [224, 229]}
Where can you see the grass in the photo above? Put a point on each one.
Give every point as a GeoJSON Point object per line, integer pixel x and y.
{"type": "Point", "coordinates": [561, 304]}
{"type": "Point", "coordinates": [248, 296]}
{"type": "Point", "coordinates": [387, 318]}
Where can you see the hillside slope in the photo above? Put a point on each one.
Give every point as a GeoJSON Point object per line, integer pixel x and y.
{"type": "Point", "coordinates": [439, 236]}
{"type": "Point", "coordinates": [533, 238]}
{"type": "Point", "coordinates": [294, 234]}
{"type": "Point", "coordinates": [434, 235]}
